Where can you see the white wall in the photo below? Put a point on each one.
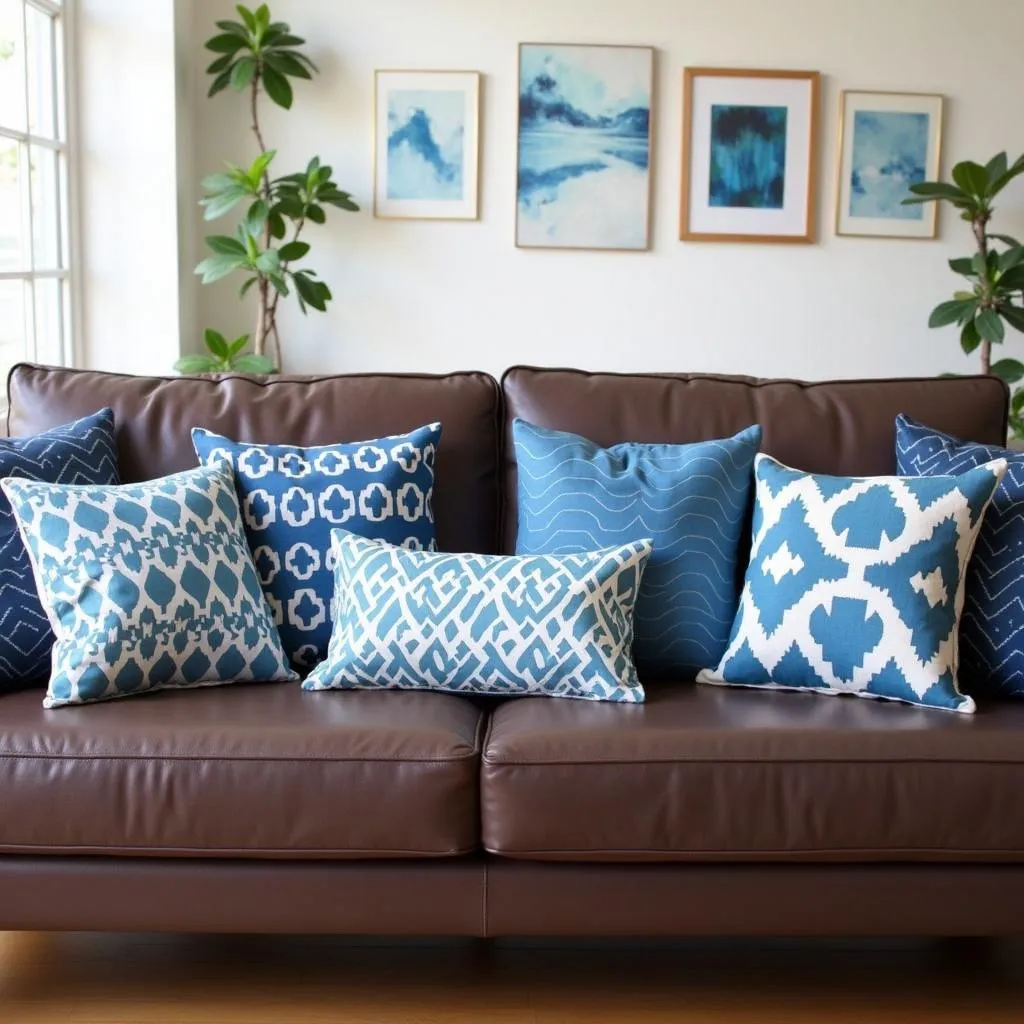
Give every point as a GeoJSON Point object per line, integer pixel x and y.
{"type": "Point", "coordinates": [421, 296]}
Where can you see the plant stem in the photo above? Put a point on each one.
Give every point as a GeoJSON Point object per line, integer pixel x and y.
{"type": "Point", "coordinates": [263, 317]}
{"type": "Point", "coordinates": [980, 228]}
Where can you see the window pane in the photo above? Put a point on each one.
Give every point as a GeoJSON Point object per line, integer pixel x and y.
{"type": "Point", "coordinates": [12, 323]}
{"type": "Point", "coordinates": [12, 66]}
{"type": "Point", "coordinates": [13, 254]}
{"type": "Point", "coordinates": [49, 319]}
{"type": "Point", "coordinates": [45, 210]}
{"type": "Point", "coordinates": [39, 27]}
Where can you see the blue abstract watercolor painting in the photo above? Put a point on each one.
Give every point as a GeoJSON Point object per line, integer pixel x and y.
{"type": "Point", "coordinates": [890, 151]}
{"type": "Point", "coordinates": [426, 144]}
{"type": "Point", "coordinates": [748, 157]}
{"type": "Point", "coordinates": [584, 146]}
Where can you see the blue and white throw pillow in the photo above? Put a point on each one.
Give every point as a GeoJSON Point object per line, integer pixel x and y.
{"type": "Point", "coordinates": [147, 586]}
{"type": "Point", "coordinates": [293, 497]}
{"type": "Point", "coordinates": [692, 500]}
{"type": "Point", "coordinates": [857, 585]}
{"type": "Point", "coordinates": [992, 627]}
{"type": "Point", "coordinates": [554, 625]}
{"type": "Point", "coordinates": [82, 452]}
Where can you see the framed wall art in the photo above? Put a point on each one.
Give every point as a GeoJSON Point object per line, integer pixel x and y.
{"type": "Point", "coordinates": [584, 147]}
{"type": "Point", "coordinates": [888, 141]}
{"type": "Point", "coordinates": [750, 142]}
{"type": "Point", "coordinates": [427, 145]}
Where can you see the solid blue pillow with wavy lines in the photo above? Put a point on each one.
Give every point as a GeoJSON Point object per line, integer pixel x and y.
{"type": "Point", "coordinates": [691, 499]}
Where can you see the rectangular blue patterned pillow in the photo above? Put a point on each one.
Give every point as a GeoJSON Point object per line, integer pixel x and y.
{"type": "Point", "coordinates": [992, 627]}
{"type": "Point", "coordinates": [82, 452]}
{"type": "Point", "coordinates": [856, 585]}
{"type": "Point", "coordinates": [692, 500]}
{"type": "Point", "coordinates": [292, 497]}
{"type": "Point", "coordinates": [147, 586]}
{"type": "Point", "coordinates": [548, 625]}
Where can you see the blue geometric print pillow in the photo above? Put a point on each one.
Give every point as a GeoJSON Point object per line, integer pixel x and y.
{"type": "Point", "coordinates": [293, 497]}
{"type": "Point", "coordinates": [147, 586]}
{"type": "Point", "coordinates": [547, 625]}
{"type": "Point", "coordinates": [992, 627]}
{"type": "Point", "coordinates": [692, 500]}
{"type": "Point", "coordinates": [856, 585]}
{"type": "Point", "coordinates": [82, 452]}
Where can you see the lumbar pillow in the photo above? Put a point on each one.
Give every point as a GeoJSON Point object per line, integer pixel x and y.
{"type": "Point", "coordinates": [544, 624]}
{"type": "Point", "coordinates": [147, 586]}
{"type": "Point", "coordinates": [992, 627]}
{"type": "Point", "coordinates": [856, 585]}
{"type": "Point", "coordinates": [692, 500]}
{"type": "Point", "coordinates": [82, 452]}
{"type": "Point", "coordinates": [291, 499]}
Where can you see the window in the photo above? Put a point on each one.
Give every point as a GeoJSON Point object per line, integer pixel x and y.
{"type": "Point", "coordinates": [35, 308]}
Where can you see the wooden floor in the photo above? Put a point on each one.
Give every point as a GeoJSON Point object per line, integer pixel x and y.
{"type": "Point", "coordinates": [83, 979]}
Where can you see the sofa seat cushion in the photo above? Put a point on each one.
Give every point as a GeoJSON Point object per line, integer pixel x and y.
{"type": "Point", "coordinates": [248, 771]}
{"type": "Point", "coordinates": [700, 774]}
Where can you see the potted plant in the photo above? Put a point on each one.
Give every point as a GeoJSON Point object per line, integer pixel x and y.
{"type": "Point", "coordinates": [994, 296]}
{"type": "Point", "coordinates": [261, 57]}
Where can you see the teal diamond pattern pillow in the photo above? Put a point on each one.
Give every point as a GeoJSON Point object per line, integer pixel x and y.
{"type": "Point", "coordinates": [856, 585]}
{"type": "Point", "coordinates": [147, 586]}
{"type": "Point", "coordinates": [556, 625]}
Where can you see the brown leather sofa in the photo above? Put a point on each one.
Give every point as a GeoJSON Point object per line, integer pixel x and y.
{"type": "Point", "coordinates": [704, 811]}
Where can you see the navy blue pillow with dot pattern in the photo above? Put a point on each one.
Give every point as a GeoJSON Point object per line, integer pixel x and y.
{"type": "Point", "coordinates": [292, 497]}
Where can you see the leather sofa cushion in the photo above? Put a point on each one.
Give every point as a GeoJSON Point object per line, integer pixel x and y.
{"type": "Point", "coordinates": [840, 427]}
{"type": "Point", "coordinates": [154, 417]}
{"type": "Point", "coordinates": [248, 771]}
{"type": "Point", "coordinates": [705, 774]}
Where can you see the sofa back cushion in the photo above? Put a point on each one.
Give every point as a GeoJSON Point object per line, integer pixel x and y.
{"type": "Point", "coordinates": [154, 417]}
{"type": "Point", "coordinates": [845, 428]}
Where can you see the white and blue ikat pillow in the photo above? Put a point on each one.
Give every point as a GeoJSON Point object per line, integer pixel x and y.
{"type": "Point", "coordinates": [147, 586]}
{"type": "Point", "coordinates": [856, 585]}
{"type": "Point", "coordinates": [542, 625]}
{"type": "Point", "coordinates": [292, 497]}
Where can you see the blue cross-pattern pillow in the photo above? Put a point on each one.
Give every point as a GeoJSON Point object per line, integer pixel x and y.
{"type": "Point", "coordinates": [992, 627]}
{"type": "Point", "coordinates": [542, 625]}
{"type": "Point", "coordinates": [147, 586]}
{"type": "Point", "coordinates": [692, 500]}
{"type": "Point", "coordinates": [857, 585]}
{"type": "Point", "coordinates": [82, 452]}
{"type": "Point", "coordinates": [292, 497]}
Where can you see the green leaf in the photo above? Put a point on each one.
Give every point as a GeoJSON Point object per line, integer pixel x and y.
{"type": "Point", "coordinates": [1017, 402]}
{"type": "Point", "coordinates": [243, 73]}
{"type": "Point", "coordinates": [216, 343]}
{"type": "Point", "coordinates": [294, 251]}
{"type": "Point", "coordinates": [234, 28]}
{"type": "Point", "coordinates": [996, 167]}
{"type": "Point", "coordinates": [971, 178]}
{"type": "Point", "coordinates": [938, 190]}
{"type": "Point", "coordinates": [316, 214]}
{"type": "Point", "coordinates": [1001, 182]}
{"type": "Point", "coordinates": [268, 261]}
{"type": "Point", "coordinates": [948, 312]}
{"type": "Point", "coordinates": [288, 41]}
{"type": "Point", "coordinates": [252, 363]}
{"type": "Point", "coordinates": [963, 266]}
{"type": "Point", "coordinates": [278, 88]}
{"type": "Point", "coordinates": [1013, 315]}
{"type": "Point", "coordinates": [1012, 280]}
{"type": "Point", "coordinates": [263, 16]}
{"type": "Point", "coordinates": [213, 268]}
{"type": "Point", "coordinates": [247, 16]}
{"type": "Point", "coordinates": [218, 182]}
{"type": "Point", "coordinates": [225, 245]}
{"type": "Point", "coordinates": [243, 291]}
{"type": "Point", "coordinates": [286, 63]}
{"type": "Point", "coordinates": [1010, 370]}
{"type": "Point", "coordinates": [220, 64]}
{"type": "Point", "coordinates": [312, 292]}
{"type": "Point", "coordinates": [1006, 240]}
{"type": "Point", "coordinates": [237, 345]}
{"type": "Point", "coordinates": [220, 83]}
{"type": "Point", "coordinates": [217, 205]}
{"type": "Point", "coordinates": [1011, 258]}
{"type": "Point", "coordinates": [278, 228]}
{"type": "Point", "coordinates": [259, 167]}
{"type": "Point", "coordinates": [226, 43]}
{"type": "Point", "coordinates": [197, 364]}
{"type": "Point", "coordinates": [990, 326]}
{"type": "Point", "coordinates": [970, 339]}
{"type": "Point", "coordinates": [256, 218]}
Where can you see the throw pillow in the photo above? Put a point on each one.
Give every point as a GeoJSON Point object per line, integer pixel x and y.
{"type": "Point", "coordinates": [857, 585]}
{"type": "Point", "coordinates": [992, 627]}
{"type": "Point", "coordinates": [692, 500]}
{"type": "Point", "coordinates": [147, 586]}
{"type": "Point", "coordinates": [82, 452]}
{"type": "Point", "coordinates": [560, 625]}
{"type": "Point", "coordinates": [291, 499]}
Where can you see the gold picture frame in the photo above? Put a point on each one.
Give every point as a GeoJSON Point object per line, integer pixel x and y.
{"type": "Point", "coordinates": [415, 175]}
{"type": "Point", "coordinates": [905, 154]}
{"type": "Point", "coordinates": [785, 211]}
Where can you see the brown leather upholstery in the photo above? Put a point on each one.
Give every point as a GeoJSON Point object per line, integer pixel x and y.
{"type": "Point", "coordinates": [242, 771]}
{"type": "Point", "coordinates": [844, 427]}
{"type": "Point", "coordinates": [155, 415]}
{"type": "Point", "coordinates": [707, 773]}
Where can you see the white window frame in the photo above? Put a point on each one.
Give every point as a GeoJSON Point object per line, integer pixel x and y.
{"type": "Point", "coordinates": [62, 184]}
